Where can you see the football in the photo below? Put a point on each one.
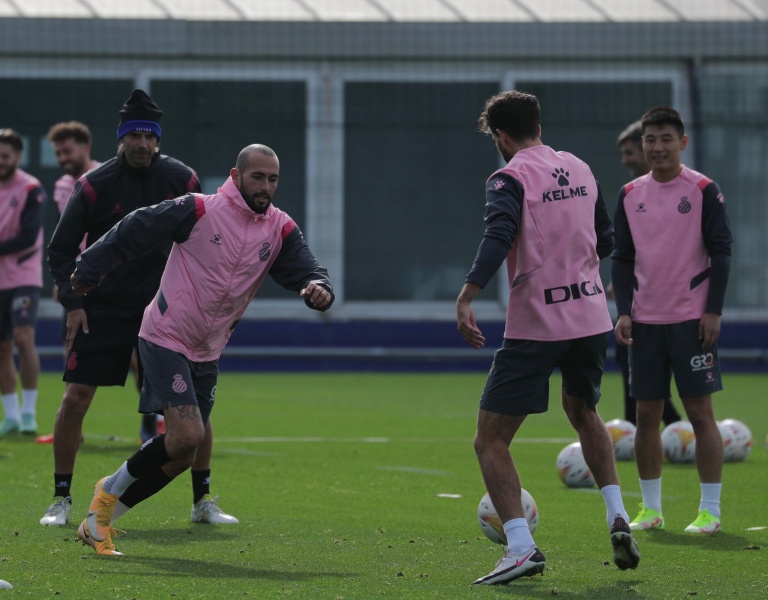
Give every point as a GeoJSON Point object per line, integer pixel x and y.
{"type": "Point", "coordinates": [679, 442]}
{"type": "Point", "coordinates": [572, 467]}
{"type": "Point", "coordinates": [623, 438]}
{"type": "Point", "coordinates": [491, 524]}
{"type": "Point", "coordinates": [737, 440]}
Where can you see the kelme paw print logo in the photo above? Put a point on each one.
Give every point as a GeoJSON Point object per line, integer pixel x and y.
{"type": "Point", "coordinates": [562, 176]}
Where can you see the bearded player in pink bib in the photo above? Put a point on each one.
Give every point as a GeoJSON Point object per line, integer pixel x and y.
{"type": "Point", "coordinates": [224, 246]}
{"type": "Point", "coordinates": [546, 217]}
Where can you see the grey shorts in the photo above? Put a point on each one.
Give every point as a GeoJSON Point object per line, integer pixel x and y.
{"type": "Point", "coordinates": [18, 307]}
{"type": "Point", "coordinates": [518, 383]}
{"type": "Point", "coordinates": [171, 379]}
{"type": "Point", "coordinates": [660, 351]}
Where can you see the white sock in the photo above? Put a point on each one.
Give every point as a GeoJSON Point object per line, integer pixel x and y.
{"type": "Point", "coordinates": [120, 510]}
{"type": "Point", "coordinates": [519, 538]}
{"type": "Point", "coordinates": [710, 498]}
{"type": "Point", "coordinates": [29, 402]}
{"type": "Point", "coordinates": [614, 505]}
{"type": "Point", "coordinates": [651, 489]}
{"type": "Point", "coordinates": [119, 481]}
{"type": "Point", "coordinates": [11, 407]}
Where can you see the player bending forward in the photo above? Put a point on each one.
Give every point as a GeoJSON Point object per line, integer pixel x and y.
{"type": "Point", "coordinates": [224, 247]}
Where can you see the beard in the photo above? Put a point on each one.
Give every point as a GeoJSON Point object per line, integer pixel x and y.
{"type": "Point", "coordinates": [504, 154]}
{"type": "Point", "coordinates": [74, 168]}
{"type": "Point", "coordinates": [258, 203]}
{"type": "Point", "coordinates": [5, 175]}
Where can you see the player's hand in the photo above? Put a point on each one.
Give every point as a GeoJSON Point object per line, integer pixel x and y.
{"type": "Point", "coordinates": [79, 288]}
{"type": "Point", "coordinates": [316, 295]}
{"type": "Point", "coordinates": [467, 325]}
{"type": "Point", "coordinates": [623, 330]}
{"type": "Point", "coordinates": [76, 320]}
{"type": "Point", "coordinates": [709, 330]}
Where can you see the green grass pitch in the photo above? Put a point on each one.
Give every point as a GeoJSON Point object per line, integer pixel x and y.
{"type": "Point", "coordinates": [365, 486]}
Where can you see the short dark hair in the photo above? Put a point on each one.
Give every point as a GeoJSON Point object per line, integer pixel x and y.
{"type": "Point", "coordinates": [516, 113]}
{"type": "Point", "coordinates": [663, 115]}
{"type": "Point", "coordinates": [633, 133]}
{"type": "Point", "coordinates": [12, 138]}
{"type": "Point", "coordinates": [70, 129]}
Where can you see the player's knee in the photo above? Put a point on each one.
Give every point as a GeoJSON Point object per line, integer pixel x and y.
{"type": "Point", "coordinates": [74, 403]}
{"type": "Point", "coordinates": [478, 444]}
{"type": "Point", "coordinates": [185, 441]}
{"type": "Point", "coordinates": [701, 419]}
{"type": "Point", "coordinates": [24, 337]}
{"type": "Point", "coordinates": [486, 445]}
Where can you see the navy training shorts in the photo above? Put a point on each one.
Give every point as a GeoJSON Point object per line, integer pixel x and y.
{"type": "Point", "coordinates": [660, 351]}
{"type": "Point", "coordinates": [102, 357]}
{"type": "Point", "coordinates": [18, 307]}
{"type": "Point", "coordinates": [518, 383]}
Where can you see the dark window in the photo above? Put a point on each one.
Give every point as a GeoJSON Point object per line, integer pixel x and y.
{"type": "Point", "coordinates": [415, 168]}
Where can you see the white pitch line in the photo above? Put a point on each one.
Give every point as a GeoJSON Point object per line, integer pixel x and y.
{"type": "Point", "coordinates": [308, 440]}
{"type": "Point", "coordinates": [374, 440]}
{"type": "Point", "coordinates": [336, 440]}
{"type": "Point", "coordinates": [414, 470]}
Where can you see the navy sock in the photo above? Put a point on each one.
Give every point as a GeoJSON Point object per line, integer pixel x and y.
{"type": "Point", "coordinates": [143, 488]}
{"type": "Point", "coordinates": [201, 484]}
{"type": "Point", "coordinates": [150, 457]}
{"type": "Point", "coordinates": [62, 482]}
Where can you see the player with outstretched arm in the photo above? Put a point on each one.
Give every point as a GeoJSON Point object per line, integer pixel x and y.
{"type": "Point", "coordinates": [224, 246]}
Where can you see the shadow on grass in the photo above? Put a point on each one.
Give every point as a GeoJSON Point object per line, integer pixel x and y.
{"type": "Point", "coordinates": [217, 567]}
{"type": "Point", "coordinates": [536, 588]}
{"type": "Point", "coordinates": [722, 541]}
{"type": "Point", "coordinates": [161, 566]}
{"type": "Point", "coordinates": [185, 535]}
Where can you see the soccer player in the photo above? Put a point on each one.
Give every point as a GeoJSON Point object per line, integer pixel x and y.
{"type": "Point", "coordinates": [71, 141]}
{"type": "Point", "coordinates": [224, 247]}
{"type": "Point", "coordinates": [22, 200]}
{"type": "Point", "coordinates": [630, 145]}
{"type": "Point", "coordinates": [670, 272]}
{"type": "Point", "coordinates": [546, 217]}
{"type": "Point", "coordinates": [102, 329]}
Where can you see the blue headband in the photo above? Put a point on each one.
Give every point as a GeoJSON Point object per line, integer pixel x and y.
{"type": "Point", "coordinates": [136, 125]}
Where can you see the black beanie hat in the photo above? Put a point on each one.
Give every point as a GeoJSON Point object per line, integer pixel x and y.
{"type": "Point", "coordinates": [140, 113]}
